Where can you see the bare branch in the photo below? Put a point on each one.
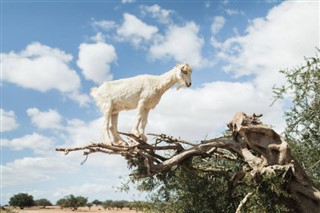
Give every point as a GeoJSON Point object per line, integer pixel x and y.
{"type": "Point", "coordinates": [170, 139]}
{"type": "Point", "coordinates": [243, 201]}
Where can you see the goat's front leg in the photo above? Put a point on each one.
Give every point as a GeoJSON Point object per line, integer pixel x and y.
{"type": "Point", "coordinates": [141, 110]}
{"type": "Point", "coordinates": [143, 124]}
{"type": "Point", "coordinates": [114, 130]}
{"type": "Point", "coordinates": [107, 118]}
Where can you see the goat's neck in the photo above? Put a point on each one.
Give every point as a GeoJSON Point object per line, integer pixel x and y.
{"type": "Point", "coordinates": [167, 80]}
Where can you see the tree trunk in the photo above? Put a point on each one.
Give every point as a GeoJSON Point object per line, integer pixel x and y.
{"type": "Point", "coordinates": [273, 153]}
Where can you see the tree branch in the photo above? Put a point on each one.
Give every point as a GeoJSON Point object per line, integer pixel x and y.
{"type": "Point", "coordinates": [243, 201]}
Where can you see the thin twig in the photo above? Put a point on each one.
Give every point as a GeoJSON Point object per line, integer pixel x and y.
{"type": "Point", "coordinates": [170, 139]}
{"type": "Point", "coordinates": [243, 201]}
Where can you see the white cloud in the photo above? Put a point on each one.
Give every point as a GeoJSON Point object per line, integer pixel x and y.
{"type": "Point", "coordinates": [103, 24]}
{"type": "Point", "coordinates": [195, 113]}
{"type": "Point", "coordinates": [50, 119]}
{"type": "Point", "coordinates": [217, 24]}
{"type": "Point", "coordinates": [80, 133]}
{"type": "Point", "coordinates": [232, 12]}
{"type": "Point", "coordinates": [127, 1]}
{"type": "Point", "coordinates": [34, 169]}
{"type": "Point", "coordinates": [49, 66]}
{"type": "Point", "coordinates": [158, 13]}
{"type": "Point", "coordinates": [38, 143]}
{"type": "Point", "coordinates": [95, 60]}
{"type": "Point", "coordinates": [99, 37]}
{"type": "Point", "coordinates": [183, 44]}
{"type": "Point", "coordinates": [289, 32]}
{"type": "Point", "coordinates": [8, 120]}
{"type": "Point", "coordinates": [106, 189]}
{"type": "Point", "coordinates": [135, 30]}
{"type": "Point", "coordinates": [85, 190]}
{"type": "Point", "coordinates": [30, 170]}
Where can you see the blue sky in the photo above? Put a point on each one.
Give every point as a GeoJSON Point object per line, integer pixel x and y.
{"type": "Point", "coordinates": [53, 52]}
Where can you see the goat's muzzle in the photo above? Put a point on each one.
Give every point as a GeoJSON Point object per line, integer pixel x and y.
{"type": "Point", "coordinates": [188, 84]}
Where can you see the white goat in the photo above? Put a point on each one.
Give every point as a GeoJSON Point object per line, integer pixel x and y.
{"type": "Point", "coordinates": [142, 92]}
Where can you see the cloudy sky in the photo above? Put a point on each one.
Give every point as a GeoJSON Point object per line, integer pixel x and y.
{"type": "Point", "coordinates": [53, 52]}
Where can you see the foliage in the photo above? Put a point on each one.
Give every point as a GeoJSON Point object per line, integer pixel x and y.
{"type": "Point", "coordinates": [43, 202]}
{"type": "Point", "coordinates": [106, 204]}
{"type": "Point", "coordinates": [139, 205]}
{"type": "Point", "coordinates": [89, 205]}
{"type": "Point", "coordinates": [21, 200]}
{"type": "Point", "coordinates": [210, 184]}
{"type": "Point", "coordinates": [61, 202]}
{"type": "Point", "coordinates": [72, 201]}
{"type": "Point", "coordinates": [270, 194]}
{"type": "Point", "coordinates": [96, 202]}
{"type": "Point", "coordinates": [303, 118]}
{"type": "Point", "coordinates": [119, 204]}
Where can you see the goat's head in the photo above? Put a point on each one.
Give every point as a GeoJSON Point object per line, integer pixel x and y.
{"type": "Point", "coordinates": [184, 72]}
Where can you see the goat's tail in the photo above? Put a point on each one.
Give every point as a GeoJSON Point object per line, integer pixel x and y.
{"type": "Point", "coordinates": [93, 91]}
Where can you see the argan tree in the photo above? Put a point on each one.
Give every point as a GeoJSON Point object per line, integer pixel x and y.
{"type": "Point", "coordinates": [264, 164]}
{"type": "Point", "coordinates": [43, 202]}
{"type": "Point", "coordinates": [72, 202]}
{"type": "Point", "coordinates": [303, 118]}
{"type": "Point", "coordinates": [21, 200]}
{"type": "Point", "coordinates": [96, 202]}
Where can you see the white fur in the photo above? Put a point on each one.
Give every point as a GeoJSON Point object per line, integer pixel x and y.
{"type": "Point", "coordinates": [143, 92]}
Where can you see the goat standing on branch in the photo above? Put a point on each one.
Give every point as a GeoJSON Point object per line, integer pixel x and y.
{"type": "Point", "coordinates": [142, 92]}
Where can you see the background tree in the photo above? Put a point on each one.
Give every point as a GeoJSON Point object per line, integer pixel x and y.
{"type": "Point", "coordinates": [107, 204]}
{"type": "Point", "coordinates": [89, 205]}
{"type": "Point", "coordinates": [72, 201]}
{"type": "Point", "coordinates": [96, 202]}
{"type": "Point", "coordinates": [22, 200]}
{"type": "Point", "coordinates": [119, 204]}
{"type": "Point", "coordinates": [303, 118]}
{"type": "Point", "coordinates": [43, 202]}
{"type": "Point", "coordinates": [62, 203]}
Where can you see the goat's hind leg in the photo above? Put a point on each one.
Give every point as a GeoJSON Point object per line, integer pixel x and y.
{"type": "Point", "coordinates": [141, 111]}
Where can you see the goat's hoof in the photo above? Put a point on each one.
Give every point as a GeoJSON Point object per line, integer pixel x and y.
{"type": "Point", "coordinates": [109, 143]}
{"type": "Point", "coordinates": [122, 143]}
{"type": "Point", "coordinates": [143, 137]}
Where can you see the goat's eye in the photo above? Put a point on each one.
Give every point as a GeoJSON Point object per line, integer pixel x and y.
{"type": "Point", "coordinates": [184, 72]}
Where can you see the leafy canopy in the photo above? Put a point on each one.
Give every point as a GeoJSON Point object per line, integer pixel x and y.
{"type": "Point", "coordinates": [21, 200]}
{"type": "Point", "coordinates": [72, 201]}
{"type": "Point", "coordinates": [303, 118]}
